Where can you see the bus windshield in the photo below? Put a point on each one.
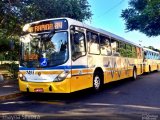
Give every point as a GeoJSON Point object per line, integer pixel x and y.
{"type": "Point", "coordinates": [44, 50]}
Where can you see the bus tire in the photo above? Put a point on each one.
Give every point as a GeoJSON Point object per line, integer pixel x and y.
{"type": "Point", "coordinates": [134, 77]}
{"type": "Point", "coordinates": [157, 67]}
{"type": "Point", "coordinates": [149, 69]}
{"type": "Point", "coordinates": [97, 81]}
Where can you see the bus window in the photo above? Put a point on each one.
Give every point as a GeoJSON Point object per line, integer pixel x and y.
{"type": "Point", "coordinates": [157, 56]}
{"type": "Point", "coordinates": [129, 50]}
{"type": "Point", "coordinates": [78, 44]}
{"type": "Point", "coordinates": [149, 55]}
{"type": "Point", "coordinates": [122, 49]}
{"type": "Point", "coordinates": [105, 45]}
{"type": "Point", "coordinates": [114, 45]}
{"type": "Point", "coordinates": [93, 43]}
{"type": "Point", "coordinates": [139, 52]}
{"type": "Point", "coordinates": [134, 53]}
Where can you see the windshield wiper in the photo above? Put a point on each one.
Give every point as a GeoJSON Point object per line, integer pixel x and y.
{"type": "Point", "coordinates": [49, 36]}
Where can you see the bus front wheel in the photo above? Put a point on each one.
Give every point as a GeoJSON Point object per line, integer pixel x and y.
{"type": "Point", "coordinates": [97, 81]}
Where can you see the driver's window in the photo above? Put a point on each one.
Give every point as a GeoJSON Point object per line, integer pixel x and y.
{"type": "Point", "coordinates": [78, 44]}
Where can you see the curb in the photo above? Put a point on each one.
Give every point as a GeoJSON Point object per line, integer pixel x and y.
{"type": "Point", "coordinates": [10, 96]}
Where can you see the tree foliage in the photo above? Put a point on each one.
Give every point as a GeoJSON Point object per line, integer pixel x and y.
{"type": "Point", "coordinates": [15, 13]}
{"type": "Point", "coordinates": [152, 48]}
{"type": "Point", "coordinates": [31, 10]}
{"type": "Point", "coordinates": [143, 15]}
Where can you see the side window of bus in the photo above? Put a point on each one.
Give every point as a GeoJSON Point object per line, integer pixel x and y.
{"type": "Point", "coordinates": [105, 45]}
{"type": "Point", "coordinates": [141, 56]}
{"type": "Point", "coordinates": [129, 50]}
{"type": "Point", "coordinates": [93, 43]}
{"type": "Point", "coordinates": [139, 52]}
{"type": "Point", "coordinates": [134, 52]}
{"type": "Point", "coordinates": [122, 49]}
{"type": "Point", "coordinates": [153, 55]}
{"type": "Point", "coordinates": [78, 44]}
{"type": "Point", "coordinates": [156, 56]}
{"type": "Point", "coordinates": [114, 46]}
{"type": "Point", "coordinates": [149, 55]}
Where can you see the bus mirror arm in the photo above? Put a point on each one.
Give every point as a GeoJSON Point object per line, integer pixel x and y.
{"type": "Point", "coordinates": [72, 29]}
{"type": "Point", "coordinates": [51, 34]}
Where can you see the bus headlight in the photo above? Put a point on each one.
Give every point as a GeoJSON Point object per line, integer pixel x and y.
{"type": "Point", "coordinates": [22, 77]}
{"type": "Point", "coordinates": [61, 76]}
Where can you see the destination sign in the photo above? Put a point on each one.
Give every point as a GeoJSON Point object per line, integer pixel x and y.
{"type": "Point", "coordinates": [48, 26]}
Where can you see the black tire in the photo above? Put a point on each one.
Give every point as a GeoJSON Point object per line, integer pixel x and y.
{"type": "Point", "coordinates": [157, 68]}
{"type": "Point", "coordinates": [134, 77]}
{"type": "Point", "coordinates": [97, 81]}
{"type": "Point", "coordinates": [149, 69]}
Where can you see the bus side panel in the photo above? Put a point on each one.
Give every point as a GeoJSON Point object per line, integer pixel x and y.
{"type": "Point", "coordinates": [115, 67]}
{"type": "Point", "coordinates": [107, 76]}
{"type": "Point", "coordinates": [80, 82]}
{"type": "Point", "coordinates": [130, 67]}
{"type": "Point", "coordinates": [139, 69]}
{"type": "Point", "coordinates": [107, 69]}
{"type": "Point", "coordinates": [122, 68]}
{"type": "Point", "coordinates": [146, 68]}
{"type": "Point", "coordinates": [152, 63]}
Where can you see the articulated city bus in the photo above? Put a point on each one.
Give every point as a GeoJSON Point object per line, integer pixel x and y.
{"type": "Point", "coordinates": [63, 55]}
{"type": "Point", "coordinates": [151, 60]}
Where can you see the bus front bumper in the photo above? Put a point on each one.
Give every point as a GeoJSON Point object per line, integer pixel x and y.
{"type": "Point", "coordinates": [45, 87]}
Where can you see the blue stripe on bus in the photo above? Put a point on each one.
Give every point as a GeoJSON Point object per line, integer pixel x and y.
{"type": "Point", "coordinates": [57, 67]}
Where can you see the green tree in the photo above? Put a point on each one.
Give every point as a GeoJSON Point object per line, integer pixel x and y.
{"type": "Point", "coordinates": [143, 15]}
{"type": "Point", "coordinates": [32, 10]}
{"type": "Point", "coordinates": [15, 13]}
{"type": "Point", "coordinates": [152, 48]}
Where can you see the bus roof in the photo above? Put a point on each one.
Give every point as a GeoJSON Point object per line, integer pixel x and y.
{"type": "Point", "coordinates": [147, 49]}
{"type": "Point", "coordinates": [78, 23]}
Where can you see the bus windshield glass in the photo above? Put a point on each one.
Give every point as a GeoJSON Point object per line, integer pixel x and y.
{"type": "Point", "coordinates": [44, 50]}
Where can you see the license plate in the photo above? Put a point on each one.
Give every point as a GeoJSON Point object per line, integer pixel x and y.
{"type": "Point", "coordinates": [38, 90]}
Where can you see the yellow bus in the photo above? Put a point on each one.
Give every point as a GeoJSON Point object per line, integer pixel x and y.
{"type": "Point", "coordinates": [62, 55]}
{"type": "Point", "coordinates": [151, 60]}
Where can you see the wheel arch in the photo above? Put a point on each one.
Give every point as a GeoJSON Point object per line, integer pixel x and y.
{"type": "Point", "coordinates": [99, 70]}
{"type": "Point", "coordinates": [149, 67]}
{"type": "Point", "coordinates": [135, 68]}
{"type": "Point", "coordinates": [134, 73]}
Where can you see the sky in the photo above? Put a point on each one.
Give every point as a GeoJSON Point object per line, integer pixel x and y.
{"type": "Point", "coordinates": [106, 15]}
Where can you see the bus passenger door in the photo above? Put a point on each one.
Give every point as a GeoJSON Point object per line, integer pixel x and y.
{"type": "Point", "coordinates": [79, 67]}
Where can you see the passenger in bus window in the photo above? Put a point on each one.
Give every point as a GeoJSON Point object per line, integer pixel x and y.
{"type": "Point", "coordinates": [105, 47]}
{"type": "Point", "coordinates": [93, 43]}
{"type": "Point", "coordinates": [114, 46]}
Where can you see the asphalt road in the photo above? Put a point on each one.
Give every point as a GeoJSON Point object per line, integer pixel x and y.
{"type": "Point", "coordinates": [122, 100]}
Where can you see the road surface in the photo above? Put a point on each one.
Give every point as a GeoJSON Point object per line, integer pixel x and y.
{"type": "Point", "coordinates": [122, 100]}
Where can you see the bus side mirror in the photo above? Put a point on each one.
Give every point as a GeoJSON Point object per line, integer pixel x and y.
{"type": "Point", "coordinates": [72, 30]}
